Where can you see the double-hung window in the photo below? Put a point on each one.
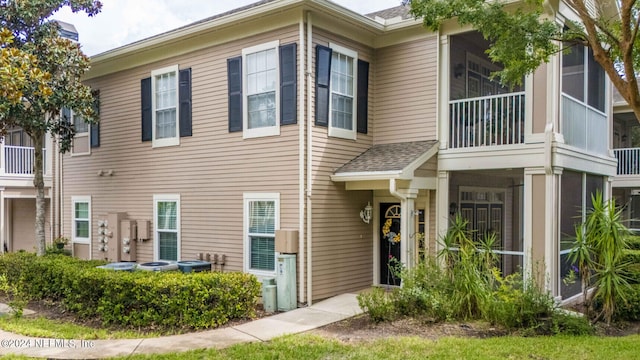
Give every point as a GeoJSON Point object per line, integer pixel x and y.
{"type": "Point", "coordinates": [342, 103]}
{"type": "Point", "coordinates": [164, 85]}
{"type": "Point", "coordinates": [166, 215]}
{"type": "Point", "coordinates": [261, 219]}
{"type": "Point", "coordinates": [81, 138]}
{"type": "Point", "coordinates": [261, 89]}
{"type": "Point", "coordinates": [81, 225]}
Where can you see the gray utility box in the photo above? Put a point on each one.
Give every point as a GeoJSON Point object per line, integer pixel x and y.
{"type": "Point", "coordinates": [286, 282]}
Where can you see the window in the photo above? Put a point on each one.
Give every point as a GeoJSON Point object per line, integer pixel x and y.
{"type": "Point", "coordinates": [341, 91]}
{"type": "Point", "coordinates": [166, 214]}
{"type": "Point", "coordinates": [342, 103]}
{"type": "Point", "coordinates": [261, 219]}
{"type": "Point", "coordinates": [79, 124]}
{"type": "Point", "coordinates": [81, 215]}
{"type": "Point", "coordinates": [164, 85]}
{"type": "Point", "coordinates": [261, 89]}
{"type": "Point", "coordinates": [81, 138]}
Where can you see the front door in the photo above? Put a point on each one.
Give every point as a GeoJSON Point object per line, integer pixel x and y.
{"type": "Point", "coordinates": [389, 243]}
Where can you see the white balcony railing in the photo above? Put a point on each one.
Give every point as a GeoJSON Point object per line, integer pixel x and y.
{"type": "Point", "coordinates": [628, 161]}
{"type": "Point", "coordinates": [584, 126]}
{"type": "Point", "coordinates": [19, 160]}
{"type": "Point", "coordinates": [487, 120]}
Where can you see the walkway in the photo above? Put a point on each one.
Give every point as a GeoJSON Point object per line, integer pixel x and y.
{"type": "Point", "coordinates": [292, 322]}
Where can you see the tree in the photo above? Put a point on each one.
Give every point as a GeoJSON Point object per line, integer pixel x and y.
{"type": "Point", "coordinates": [525, 34]}
{"type": "Point", "coordinates": [41, 73]}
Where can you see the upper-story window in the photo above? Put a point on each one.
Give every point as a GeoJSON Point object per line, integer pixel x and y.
{"type": "Point", "coordinates": [164, 87]}
{"type": "Point", "coordinates": [583, 78]}
{"type": "Point", "coordinates": [166, 106]}
{"type": "Point", "coordinates": [261, 90]}
{"type": "Point", "coordinates": [343, 91]}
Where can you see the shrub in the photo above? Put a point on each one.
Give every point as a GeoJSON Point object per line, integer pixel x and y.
{"type": "Point", "coordinates": [633, 242]}
{"type": "Point", "coordinates": [162, 299]}
{"type": "Point", "coordinates": [378, 304]}
{"type": "Point", "coordinates": [628, 306]}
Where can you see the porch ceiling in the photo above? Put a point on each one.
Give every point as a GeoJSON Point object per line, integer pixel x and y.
{"type": "Point", "coordinates": [387, 161]}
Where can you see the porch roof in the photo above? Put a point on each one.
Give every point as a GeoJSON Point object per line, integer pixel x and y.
{"type": "Point", "coordinates": [387, 161]}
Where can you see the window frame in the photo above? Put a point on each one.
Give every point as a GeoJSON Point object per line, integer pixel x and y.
{"type": "Point", "coordinates": [77, 200]}
{"type": "Point", "coordinates": [247, 199]}
{"type": "Point", "coordinates": [80, 136]}
{"type": "Point", "coordinates": [337, 131]}
{"type": "Point", "coordinates": [156, 238]}
{"type": "Point", "coordinates": [267, 130]}
{"type": "Point", "coordinates": [170, 141]}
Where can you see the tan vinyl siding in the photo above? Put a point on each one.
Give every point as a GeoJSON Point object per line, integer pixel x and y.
{"type": "Point", "coordinates": [210, 170]}
{"type": "Point", "coordinates": [406, 87]}
{"type": "Point", "coordinates": [342, 243]}
{"type": "Point", "coordinates": [22, 218]}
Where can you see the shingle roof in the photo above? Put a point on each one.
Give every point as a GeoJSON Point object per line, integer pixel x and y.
{"type": "Point", "coordinates": [401, 11]}
{"type": "Point", "coordinates": [387, 157]}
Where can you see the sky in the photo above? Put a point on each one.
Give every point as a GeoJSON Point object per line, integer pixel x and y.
{"type": "Point", "coordinates": [122, 22]}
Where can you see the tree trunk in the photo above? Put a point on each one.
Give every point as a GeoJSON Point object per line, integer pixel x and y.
{"type": "Point", "coordinates": [38, 182]}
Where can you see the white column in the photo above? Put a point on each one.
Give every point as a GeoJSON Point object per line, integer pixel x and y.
{"type": "Point", "coordinates": [3, 217]}
{"type": "Point", "coordinates": [442, 205]}
{"type": "Point", "coordinates": [443, 114]}
{"type": "Point", "coordinates": [407, 228]}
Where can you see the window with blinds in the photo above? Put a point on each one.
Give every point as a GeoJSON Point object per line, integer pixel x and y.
{"type": "Point", "coordinates": [167, 233]}
{"type": "Point", "coordinates": [261, 222]}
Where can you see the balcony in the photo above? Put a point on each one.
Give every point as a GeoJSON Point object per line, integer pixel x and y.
{"type": "Point", "coordinates": [628, 161]}
{"type": "Point", "coordinates": [19, 160]}
{"type": "Point", "coordinates": [583, 126]}
{"type": "Point", "coordinates": [487, 121]}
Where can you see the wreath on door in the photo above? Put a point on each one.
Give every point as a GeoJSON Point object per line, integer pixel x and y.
{"type": "Point", "coordinates": [392, 216]}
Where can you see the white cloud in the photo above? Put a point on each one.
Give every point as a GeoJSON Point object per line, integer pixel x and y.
{"type": "Point", "coordinates": [125, 21]}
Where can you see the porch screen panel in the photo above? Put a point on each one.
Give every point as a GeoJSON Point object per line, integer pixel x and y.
{"type": "Point", "coordinates": [571, 210]}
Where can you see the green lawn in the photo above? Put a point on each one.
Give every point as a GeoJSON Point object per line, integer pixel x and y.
{"type": "Point", "coordinates": [314, 347]}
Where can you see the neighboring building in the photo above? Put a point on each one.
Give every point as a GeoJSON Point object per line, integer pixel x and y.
{"type": "Point", "coordinates": [626, 147]}
{"type": "Point", "coordinates": [17, 191]}
{"type": "Point", "coordinates": [297, 114]}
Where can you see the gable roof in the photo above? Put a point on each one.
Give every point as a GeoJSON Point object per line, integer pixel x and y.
{"type": "Point", "coordinates": [397, 160]}
{"type": "Point", "coordinates": [401, 11]}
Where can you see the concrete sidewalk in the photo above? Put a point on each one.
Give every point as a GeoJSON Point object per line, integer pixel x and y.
{"type": "Point", "coordinates": [292, 322]}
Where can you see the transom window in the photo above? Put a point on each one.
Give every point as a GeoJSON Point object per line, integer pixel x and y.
{"type": "Point", "coordinates": [167, 233]}
{"type": "Point", "coordinates": [81, 226]}
{"type": "Point", "coordinates": [261, 84]}
{"type": "Point", "coordinates": [343, 92]}
{"type": "Point", "coordinates": [164, 83]}
{"type": "Point", "coordinates": [261, 222]}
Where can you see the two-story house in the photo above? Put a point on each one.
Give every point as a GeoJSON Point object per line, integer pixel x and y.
{"type": "Point", "coordinates": [17, 191]}
{"type": "Point", "coordinates": [301, 114]}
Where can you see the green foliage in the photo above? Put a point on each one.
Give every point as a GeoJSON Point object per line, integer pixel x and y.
{"type": "Point", "coordinates": [378, 304]}
{"type": "Point", "coordinates": [633, 242]}
{"type": "Point", "coordinates": [601, 253]}
{"type": "Point", "coordinates": [43, 72]}
{"type": "Point", "coordinates": [144, 299]}
{"type": "Point", "coordinates": [17, 299]}
{"type": "Point", "coordinates": [628, 305]}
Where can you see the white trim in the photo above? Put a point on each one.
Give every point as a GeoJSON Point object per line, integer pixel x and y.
{"type": "Point", "coordinates": [335, 131]}
{"type": "Point", "coordinates": [262, 131]}
{"type": "Point", "coordinates": [156, 240]}
{"type": "Point", "coordinates": [75, 200]}
{"type": "Point", "coordinates": [246, 199]}
{"type": "Point", "coordinates": [172, 141]}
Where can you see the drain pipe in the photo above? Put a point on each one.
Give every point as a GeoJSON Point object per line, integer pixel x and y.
{"type": "Point", "coordinates": [301, 142]}
{"type": "Point", "coordinates": [309, 161]}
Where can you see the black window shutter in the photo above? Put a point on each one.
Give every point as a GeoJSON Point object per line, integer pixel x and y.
{"type": "Point", "coordinates": [363, 96]}
{"type": "Point", "coordinates": [323, 78]}
{"type": "Point", "coordinates": [234, 77]}
{"type": "Point", "coordinates": [145, 92]}
{"type": "Point", "coordinates": [288, 84]}
{"type": "Point", "coordinates": [95, 128]}
{"type": "Point", "coordinates": [184, 97]}
{"type": "Point", "coordinates": [66, 115]}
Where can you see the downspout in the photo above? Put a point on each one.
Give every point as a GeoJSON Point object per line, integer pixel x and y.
{"type": "Point", "coordinates": [301, 142]}
{"type": "Point", "coordinates": [309, 162]}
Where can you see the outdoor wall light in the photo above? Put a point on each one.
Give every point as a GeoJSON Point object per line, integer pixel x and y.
{"type": "Point", "coordinates": [365, 214]}
{"type": "Point", "coordinates": [453, 207]}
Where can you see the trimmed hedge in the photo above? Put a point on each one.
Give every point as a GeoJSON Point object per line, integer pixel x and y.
{"type": "Point", "coordinates": [629, 307]}
{"type": "Point", "coordinates": [139, 298]}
